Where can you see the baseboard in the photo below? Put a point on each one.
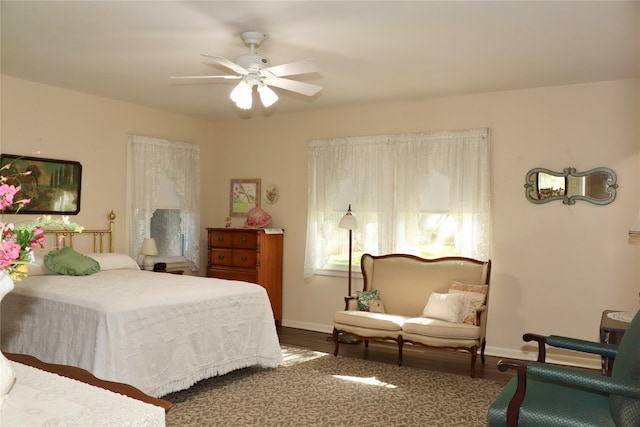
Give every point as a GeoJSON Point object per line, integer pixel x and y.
{"type": "Point", "coordinates": [587, 361]}
{"type": "Point", "coordinates": [315, 327]}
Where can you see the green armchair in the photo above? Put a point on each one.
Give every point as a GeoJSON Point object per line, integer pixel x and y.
{"type": "Point", "coordinates": [547, 395]}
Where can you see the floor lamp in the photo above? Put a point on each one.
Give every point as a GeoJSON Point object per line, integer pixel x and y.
{"type": "Point", "coordinates": [348, 222]}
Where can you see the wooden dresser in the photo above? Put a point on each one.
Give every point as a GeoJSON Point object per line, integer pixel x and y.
{"type": "Point", "coordinates": [250, 255]}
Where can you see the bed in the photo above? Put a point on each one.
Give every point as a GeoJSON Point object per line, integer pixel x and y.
{"type": "Point", "coordinates": [158, 332]}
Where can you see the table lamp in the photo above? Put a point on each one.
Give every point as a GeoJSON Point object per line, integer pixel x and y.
{"type": "Point", "coordinates": [148, 249]}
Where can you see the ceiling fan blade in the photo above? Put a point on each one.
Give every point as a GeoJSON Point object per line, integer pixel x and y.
{"type": "Point", "coordinates": [229, 64]}
{"type": "Point", "coordinates": [208, 77]}
{"type": "Point", "coordinates": [293, 85]}
{"type": "Point", "coordinates": [293, 68]}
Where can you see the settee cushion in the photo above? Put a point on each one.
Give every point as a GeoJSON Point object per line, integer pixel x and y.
{"type": "Point", "coordinates": [440, 328]}
{"type": "Point", "coordinates": [449, 307]}
{"type": "Point", "coordinates": [364, 319]}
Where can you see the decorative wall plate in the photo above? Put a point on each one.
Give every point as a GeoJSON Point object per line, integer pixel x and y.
{"type": "Point", "coordinates": [271, 194]}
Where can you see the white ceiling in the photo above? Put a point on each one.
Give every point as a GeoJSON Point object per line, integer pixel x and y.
{"type": "Point", "coordinates": [368, 51]}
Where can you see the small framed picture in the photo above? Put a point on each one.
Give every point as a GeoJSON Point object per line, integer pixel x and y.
{"type": "Point", "coordinates": [245, 195]}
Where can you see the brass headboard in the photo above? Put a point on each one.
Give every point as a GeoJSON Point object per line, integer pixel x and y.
{"type": "Point", "coordinates": [65, 238]}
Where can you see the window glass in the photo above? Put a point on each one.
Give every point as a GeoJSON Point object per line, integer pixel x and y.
{"type": "Point", "coordinates": [165, 229]}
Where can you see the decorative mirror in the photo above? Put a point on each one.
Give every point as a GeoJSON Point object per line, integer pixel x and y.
{"type": "Point", "coordinates": [595, 186]}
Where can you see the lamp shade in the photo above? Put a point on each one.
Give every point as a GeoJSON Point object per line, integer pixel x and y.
{"type": "Point", "coordinates": [241, 95]}
{"type": "Point", "coordinates": [348, 221]}
{"type": "Point", "coordinates": [149, 247]}
{"type": "Point", "coordinates": [267, 96]}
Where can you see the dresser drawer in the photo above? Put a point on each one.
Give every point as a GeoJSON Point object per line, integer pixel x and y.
{"type": "Point", "coordinates": [237, 274]}
{"type": "Point", "coordinates": [245, 239]}
{"type": "Point", "coordinates": [221, 256]}
{"type": "Point", "coordinates": [244, 258]}
{"type": "Point", "coordinates": [221, 239]}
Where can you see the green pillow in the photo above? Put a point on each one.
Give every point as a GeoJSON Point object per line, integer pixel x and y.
{"type": "Point", "coordinates": [69, 262]}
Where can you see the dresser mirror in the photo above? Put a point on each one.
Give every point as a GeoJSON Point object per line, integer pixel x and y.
{"type": "Point", "coordinates": [596, 186]}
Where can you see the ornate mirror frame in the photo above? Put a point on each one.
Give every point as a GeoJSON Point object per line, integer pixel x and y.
{"type": "Point", "coordinates": [573, 187]}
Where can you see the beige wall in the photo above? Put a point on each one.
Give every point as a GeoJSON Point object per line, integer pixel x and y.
{"type": "Point", "coordinates": [73, 126]}
{"type": "Point", "coordinates": [555, 267]}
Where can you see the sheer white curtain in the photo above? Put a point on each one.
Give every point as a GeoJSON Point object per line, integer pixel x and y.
{"type": "Point", "coordinates": [154, 161]}
{"type": "Point", "coordinates": [396, 185]}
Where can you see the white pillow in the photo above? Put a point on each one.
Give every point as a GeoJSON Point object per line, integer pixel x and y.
{"type": "Point", "coordinates": [114, 261]}
{"type": "Point", "coordinates": [37, 268]}
{"type": "Point", "coordinates": [449, 307]}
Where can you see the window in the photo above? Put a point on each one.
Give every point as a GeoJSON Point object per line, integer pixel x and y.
{"type": "Point", "coordinates": [164, 194]}
{"type": "Point", "coordinates": [165, 229]}
{"type": "Point", "coordinates": [424, 194]}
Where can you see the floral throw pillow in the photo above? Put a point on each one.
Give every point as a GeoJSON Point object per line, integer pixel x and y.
{"type": "Point", "coordinates": [476, 296]}
{"type": "Point", "coordinates": [364, 297]}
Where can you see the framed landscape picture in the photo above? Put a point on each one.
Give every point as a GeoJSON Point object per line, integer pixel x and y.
{"type": "Point", "coordinates": [52, 185]}
{"type": "Point", "coordinates": [245, 195]}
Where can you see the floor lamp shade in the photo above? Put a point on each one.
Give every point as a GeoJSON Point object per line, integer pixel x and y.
{"type": "Point", "coordinates": [348, 221]}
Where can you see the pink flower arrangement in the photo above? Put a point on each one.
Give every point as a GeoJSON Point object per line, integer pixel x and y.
{"type": "Point", "coordinates": [18, 241]}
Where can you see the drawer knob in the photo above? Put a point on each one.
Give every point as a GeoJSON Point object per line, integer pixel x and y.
{"type": "Point", "coordinates": [220, 257]}
{"type": "Point", "coordinates": [243, 239]}
{"type": "Point", "coordinates": [243, 258]}
{"type": "Point", "coordinates": [221, 239]}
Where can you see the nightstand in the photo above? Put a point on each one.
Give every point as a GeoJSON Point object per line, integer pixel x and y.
{"type": "Point", "coordinates": [169, 271]}
{"type": "Point", "coordinates": [611, 332]}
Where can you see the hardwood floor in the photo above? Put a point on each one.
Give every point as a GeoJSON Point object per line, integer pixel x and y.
{"type": "Point", "coordinates": [413, 356]}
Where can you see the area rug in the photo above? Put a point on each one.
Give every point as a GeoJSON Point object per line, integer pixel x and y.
{"type": "Point", "coordinates": [317, 389]}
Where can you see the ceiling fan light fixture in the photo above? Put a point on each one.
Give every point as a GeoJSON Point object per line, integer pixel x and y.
{"type": "Point", "coordinates": [253, 69]}
{"type": "Point", "coordinates": [241, 95]}
{"type": "Point", "coordinates": [267, 95]}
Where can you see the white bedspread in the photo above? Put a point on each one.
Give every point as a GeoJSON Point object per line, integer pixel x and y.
{"type": "Point", "coordinates": [40, 398]}
{"type": "Point", "coordinates": [158, 332]}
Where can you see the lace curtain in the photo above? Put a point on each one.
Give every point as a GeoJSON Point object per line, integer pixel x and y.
{"type": "Point", "coordinates": [396, 183]}
{"type": "Point", "coordinates": [152, 161]}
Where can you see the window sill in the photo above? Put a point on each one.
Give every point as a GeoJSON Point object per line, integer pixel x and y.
{"type": "Point", "coordinates": [339, 272]}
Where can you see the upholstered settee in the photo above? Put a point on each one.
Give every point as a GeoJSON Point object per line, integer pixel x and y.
{"type": "Point", "coordinates": [435, 303]}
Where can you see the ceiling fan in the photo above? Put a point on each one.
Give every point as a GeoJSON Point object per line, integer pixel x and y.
{"type": "Point", "coordinates": [255, 70]}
